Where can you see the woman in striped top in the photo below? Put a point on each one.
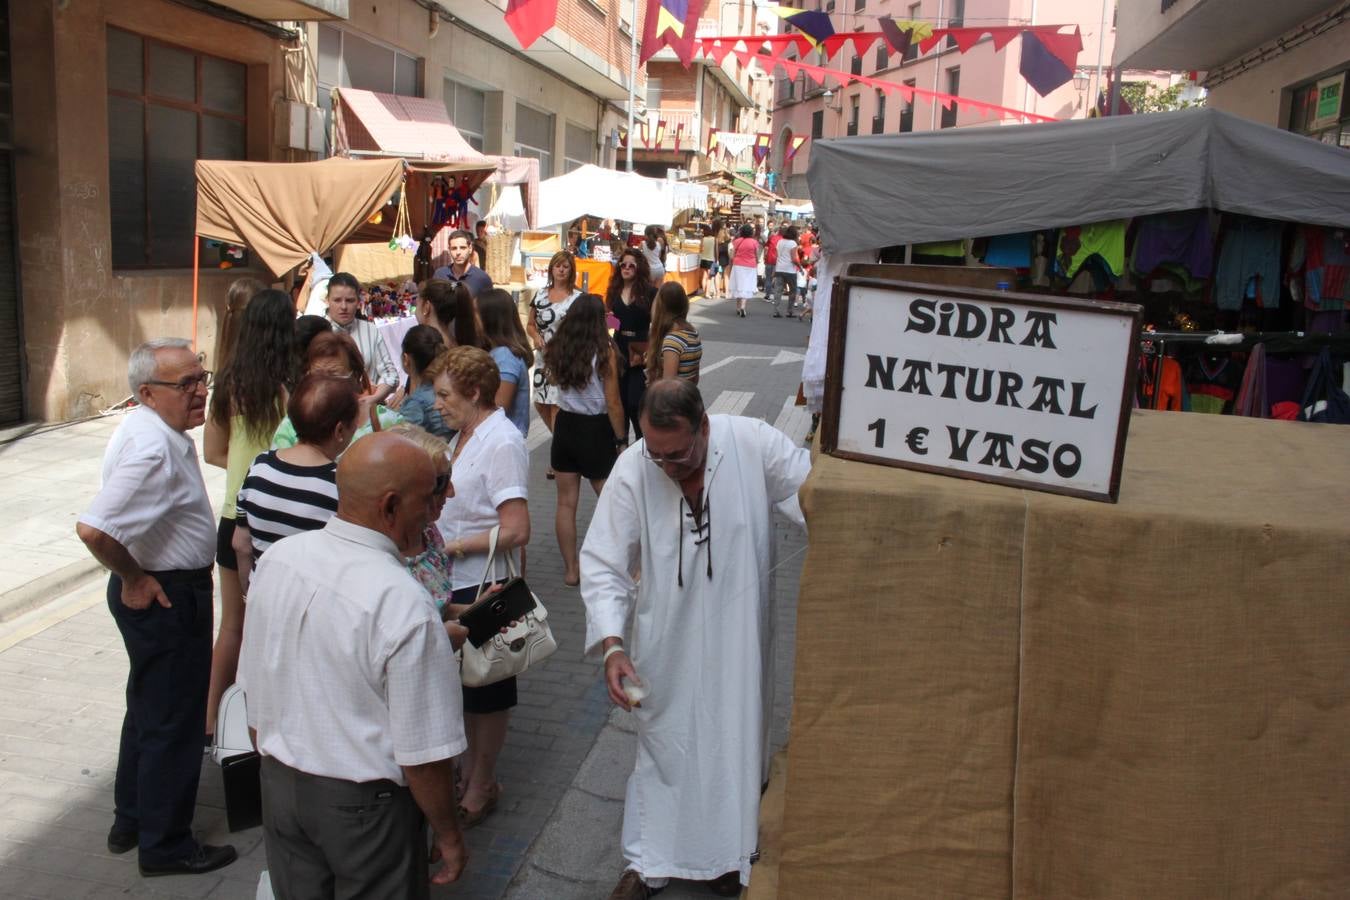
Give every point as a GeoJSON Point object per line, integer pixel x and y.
{"type": "Point", "coordinates": [295, 489]}
{"type": "Point", "coordinates": [675, 350]}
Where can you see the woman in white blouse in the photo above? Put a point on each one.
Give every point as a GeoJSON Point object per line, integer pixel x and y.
{"type": "Point", "coordinates": [490, 474]}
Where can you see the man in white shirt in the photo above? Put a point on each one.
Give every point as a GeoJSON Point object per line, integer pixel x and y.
{"type": "Point", "coordinates": [353, 692]}
{"type": "Point", "coordinates": [344, 299]}
{"type": "Point", "coordinates": [691, 508]}
{"type": "Point", "coordinates": [151, 525]}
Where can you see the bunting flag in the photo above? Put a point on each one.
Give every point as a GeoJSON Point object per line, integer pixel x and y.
{"type": "Point", "coordinates": [794, 144]}
{"type": "Point", "coordinates": [734, 143]}
{"type": "Point", "coordinates": [529, 19]}
{"type": "Point", "coordinates": [712, 141]}
{"type": "Point", "coordinates": [1049, 60]}
{"type": "Point", "coordinates": [660, 131]}
{"type": "Point", "coordinates": [673, 24]}
{"type": "Point", "coordinates": [644, 134]}
{"type": "Point", "coordinates": [814, 25]}
{"type": "Point", "coordinates": [763, 143]}
{"type": "Point", "coordinates": [679, 135]}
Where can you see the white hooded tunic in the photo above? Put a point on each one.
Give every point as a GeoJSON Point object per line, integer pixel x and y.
{"type": "Point", "coordinates": [704, 649]}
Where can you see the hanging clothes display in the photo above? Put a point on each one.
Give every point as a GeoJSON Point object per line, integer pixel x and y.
{"type": "Point", "coordinates": [1178, 243]}
{"type": "Point", "coordinates": [1251, 398]}
{"type": "Point", "coordinates": [1249, 263]}
{"type": "Point", "coordinates": [1212, 381]}
{"type": "Point", "coordinates": [1079, 243]}
{"type": "Point", "coordinates": [1010, 251]}
{"type": "Point", "coordinates": [1327, 268]}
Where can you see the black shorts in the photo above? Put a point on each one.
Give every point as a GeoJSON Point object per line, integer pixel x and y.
{"type": "Point", "coordinates": [705, 263]}
{"type": "Point", "coordinates": [489, 698]}
{"type": "Point", "coordinates": [583, 444]}
{"type": "Point", "coordinates": [225, 555]}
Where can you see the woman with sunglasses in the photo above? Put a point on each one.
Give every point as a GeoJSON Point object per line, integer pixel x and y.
{"type": "Point", "coordinates": [629, 299]}
{"type": "Point", "coordinates": [546, 313]}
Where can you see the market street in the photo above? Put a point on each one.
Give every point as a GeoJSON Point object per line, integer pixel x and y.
{"type": "Point", "coordinates": [556, 832]}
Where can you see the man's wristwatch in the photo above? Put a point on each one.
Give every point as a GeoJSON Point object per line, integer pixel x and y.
{"type": "Point", "coordinates": [459, 549]}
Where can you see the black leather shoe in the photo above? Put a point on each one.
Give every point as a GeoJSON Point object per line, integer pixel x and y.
{"type": "Point", "coordinates": [121, 841]}
{"type": "Point", "coordinates": [205, 858]}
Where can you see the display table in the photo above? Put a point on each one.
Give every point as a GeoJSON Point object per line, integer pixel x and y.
{"type": "Point", "coordinates": [1004, 693]}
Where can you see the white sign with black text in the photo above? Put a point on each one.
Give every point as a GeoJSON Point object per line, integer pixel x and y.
{"type": "Point", "coordinates": [1018, 389]}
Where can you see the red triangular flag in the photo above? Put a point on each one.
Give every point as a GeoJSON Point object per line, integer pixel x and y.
{"type": "Point", "coordinates": [719, 50]}
{"type": "Point", "coordinates": [835, 41]}
{"type": "Point", "coordinates": [529, 19]}
{"type": "Point", "coordinates": [966, 37]}
{"type": "Point", "coordinates": [932, 40]}
{"type": "Point", "coordinates": [1003, 35]}
{"type": "Point", "coordinates": [744, 54]}
{"type": "Point", "coordinates": [790, 69]}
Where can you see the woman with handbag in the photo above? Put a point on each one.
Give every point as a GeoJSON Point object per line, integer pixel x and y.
{"type": "Point", "coordinates": [254, 357]}
{"type": "Point", "coordinates": [491, 470]}
{"type": "Point", "coordinates": [629, 299]}
{"type": "Point", "coordinates": [590, 430]}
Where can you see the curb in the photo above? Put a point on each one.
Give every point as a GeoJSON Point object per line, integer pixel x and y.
{"type": "Point", "coordinates": [46, 588]}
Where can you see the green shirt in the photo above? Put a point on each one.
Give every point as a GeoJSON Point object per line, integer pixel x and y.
{"type": "Point", "coordinates": [285, 436]}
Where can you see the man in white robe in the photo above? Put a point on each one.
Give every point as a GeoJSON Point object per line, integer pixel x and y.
{"type": "Point", "coordinates": [691, 508]}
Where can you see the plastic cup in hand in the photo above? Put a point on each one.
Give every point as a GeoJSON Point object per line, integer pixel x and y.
{"type": "Point", "coordinates": [635, 690]}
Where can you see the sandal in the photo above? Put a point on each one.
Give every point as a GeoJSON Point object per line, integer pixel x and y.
{"type": "Point", "coordinates": [470, 818]}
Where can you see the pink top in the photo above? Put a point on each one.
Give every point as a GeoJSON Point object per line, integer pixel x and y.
{"type": "Point", "coordinates": [745, 252]}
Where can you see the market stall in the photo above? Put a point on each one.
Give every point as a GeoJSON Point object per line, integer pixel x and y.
{"type": "Point", "coordinates": [1015, 694]}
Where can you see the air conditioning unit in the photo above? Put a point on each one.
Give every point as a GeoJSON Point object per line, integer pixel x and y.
{"type": "Point", "coordinates": [300, 126]}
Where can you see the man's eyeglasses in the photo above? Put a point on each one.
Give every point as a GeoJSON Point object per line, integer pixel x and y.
{"type": "Point", "coordinates": [442, 483]}
{"type": "Point", "coordinates": [189, 384]}
{"type": "Point", "coordinates": [683, 459]}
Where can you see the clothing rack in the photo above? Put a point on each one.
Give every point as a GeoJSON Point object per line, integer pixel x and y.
{"type": "Point", "coordinates": [1154, 343]}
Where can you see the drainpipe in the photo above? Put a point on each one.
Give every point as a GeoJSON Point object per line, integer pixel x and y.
{"type": "Point", "coordinates": [937, 73]}
{"type": "Point", "coordinates": [632, 83]}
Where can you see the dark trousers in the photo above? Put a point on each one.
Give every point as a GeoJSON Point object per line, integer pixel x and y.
{"type": "Point", "coordinates": [632, 387]}
{"type": "Point", "coordinates": [329, 839]}
{"type": "Point", "coordinates": [160, 758]}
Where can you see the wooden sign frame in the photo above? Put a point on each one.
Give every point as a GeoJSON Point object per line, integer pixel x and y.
{"type": "Point", "coordinates": [835, 398]}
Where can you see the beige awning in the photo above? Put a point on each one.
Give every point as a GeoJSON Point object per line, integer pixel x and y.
{"type": "Point", "coordinates": [285, 211]}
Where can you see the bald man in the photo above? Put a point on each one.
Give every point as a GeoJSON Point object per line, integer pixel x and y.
{"type": "Point", "coordinates": [353, 692]}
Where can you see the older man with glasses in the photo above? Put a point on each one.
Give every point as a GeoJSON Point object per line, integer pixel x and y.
{"type": "Point", "coordinates": [151, 524]}
{"type": "Point", "coordinates": [690, 507]}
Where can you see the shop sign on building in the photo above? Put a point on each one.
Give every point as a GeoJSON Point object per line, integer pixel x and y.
{"type": "Point", "coordinates": [1328, 110]}
{"type": "Point", "coordinates": [1019, 389]}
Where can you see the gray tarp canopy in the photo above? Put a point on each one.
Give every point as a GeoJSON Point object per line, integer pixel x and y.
{"type": "Point", "coordinates": [871, 192]}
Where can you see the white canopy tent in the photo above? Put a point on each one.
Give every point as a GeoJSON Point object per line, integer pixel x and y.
{"type": "Point", "coordinates": [603, 193]}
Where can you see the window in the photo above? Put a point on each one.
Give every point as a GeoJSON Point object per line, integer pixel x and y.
{"type": "Point", "coordinates": [1319, 110]}
{"type": "Point", "coordinates": [859, 5]}
{"type": "Point", "coordinates": [883, 59]}
{"type": "Point", "coordinates": [578, 147]}
{"type": "Point", "coordinates": [854, 104]}
{"type": "Point", "coordinates": [467, 109]}
{"type": "Point", "coordinates": [534, 137]}
{"type": "Point", "coordinates": [349, 60]}
{"type": "Point", "coordinates": [953, 88]}
{"type": "Point", "coordinates": [912, 51]}
{"type": "Point", "coordinates": [653, 92]}
{"type": "Point", "coordinates": [956, 20]}
{"type": "Point", "coordinates": [879, 120]}
{"type": "Point", "coordinates": [907, 111]}
{"type": "Point", "coordinates": [818, 124]}
{"type": "Point", "coordinates": [167, 108]}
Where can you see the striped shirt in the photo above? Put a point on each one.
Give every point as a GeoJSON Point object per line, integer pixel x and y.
{"type": "Point", "coordinates": [280, 499]}
{"type": "Point", "coordinates": [689, 346]}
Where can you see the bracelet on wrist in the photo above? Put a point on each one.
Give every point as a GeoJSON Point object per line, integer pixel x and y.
{"type": "Point", "coordinates": [617, 648]}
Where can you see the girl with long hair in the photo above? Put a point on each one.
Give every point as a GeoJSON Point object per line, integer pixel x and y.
{"type": "Point", "coordinates": [509, 347]}
{"type": "Point", "coordinates": [547, 310]}
{"type": "Point", "coordinates": [629, 299]}
{"type": "Point", "coordinates": [654, 246]}
{"type": "Point", "coordinates": [675, 350]}
{"type": "Point", "coordinates": [744, 267]}
{"type": "Point", "coordinates": [421, 345]}
{"type": "Point", "coordinates": [723, 258]}
{"type": "Point", "coordinates": [248, 403]}
{"type": "Point", "coordinates": [590, 429]}
{"type": "Point", "coordinates": [448, 307]}
{"type": "Point", "coordinates": [240, 291]}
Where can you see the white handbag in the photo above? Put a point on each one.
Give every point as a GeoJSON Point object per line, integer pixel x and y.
{"type": "Point", "coordinates": [231, 725]}
{"type": "Point", "coordinates": [501, 655]}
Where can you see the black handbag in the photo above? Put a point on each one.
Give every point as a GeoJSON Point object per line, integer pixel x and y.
{"type": "Point", "coordinates": [1323, 401]}
{"type": "Point", "coordinates": [242, 775]}
{"type": "Point", "coordinates": [491, 654]}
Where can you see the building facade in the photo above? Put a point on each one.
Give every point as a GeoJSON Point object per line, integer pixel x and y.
{"type": "Point", "coordinates": [804, 107]}
{"type": "Point", "coordinates": [705, 97]}
{"type": "Point", "coordinates": [114, 101]}
{"type": "Point", "coordinates": [1284, 65]}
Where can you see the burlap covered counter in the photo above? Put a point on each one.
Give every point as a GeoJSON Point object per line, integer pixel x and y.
{"type": "Point", "coordinates": [1005, 693]}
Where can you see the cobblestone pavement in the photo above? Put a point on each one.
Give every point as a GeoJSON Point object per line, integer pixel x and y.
{"type": "Point", "coordinates": [63, 667]}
